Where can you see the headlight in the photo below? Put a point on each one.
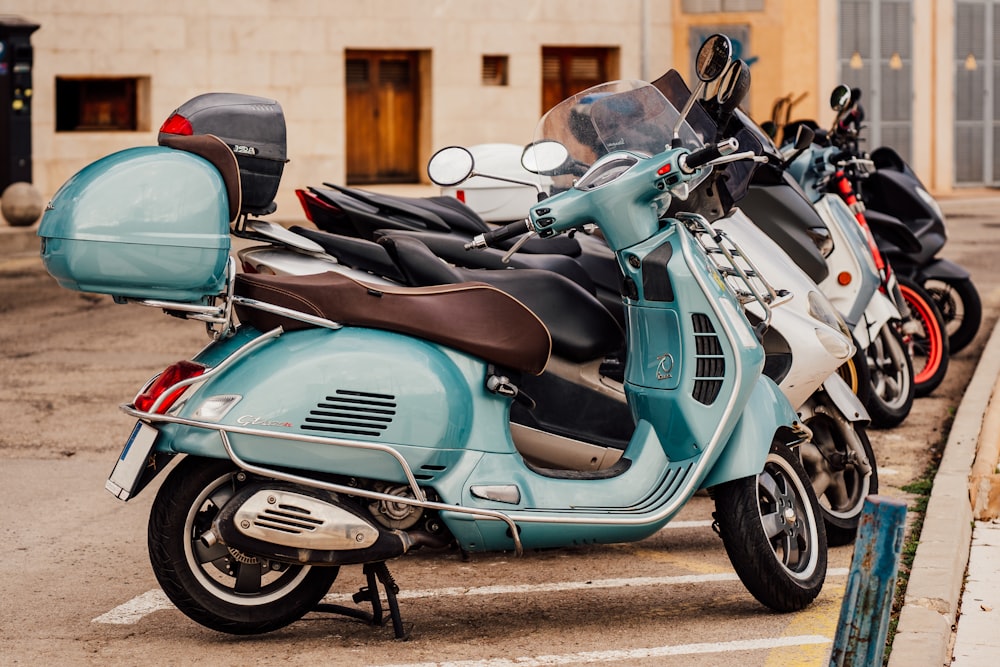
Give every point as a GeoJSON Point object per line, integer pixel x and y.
{"type": "Point", "coordinates": [821, 309]}
{"type": "Point", "coordinates": [838, 347]}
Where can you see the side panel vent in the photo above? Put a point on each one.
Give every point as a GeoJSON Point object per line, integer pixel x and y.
{"type": "Point", "coordinates": [352, 413]}
{"type": "Point", "coordinates": [710, 363]}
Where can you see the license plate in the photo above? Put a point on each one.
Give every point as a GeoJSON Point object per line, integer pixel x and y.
{"type": "Point", "coordinates": [124, 478]}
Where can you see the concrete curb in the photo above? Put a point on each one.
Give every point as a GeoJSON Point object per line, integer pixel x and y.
{"type": "Point", "coordinates": [930, 606]}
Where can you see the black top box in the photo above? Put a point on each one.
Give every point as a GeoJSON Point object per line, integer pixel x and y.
{"type": "Point", "coordinates": [252, 127]}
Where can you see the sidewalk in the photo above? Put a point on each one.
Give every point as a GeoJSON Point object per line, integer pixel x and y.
{"type": "Point", "coordinates": [954, 549]}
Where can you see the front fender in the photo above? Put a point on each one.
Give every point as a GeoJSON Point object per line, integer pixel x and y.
{"type": "Point", "coordinates": [846, 400]}
{"type": "Point", "coordinates": [767, 412]}
{"type": "Point", "coordinates": [943, 269]}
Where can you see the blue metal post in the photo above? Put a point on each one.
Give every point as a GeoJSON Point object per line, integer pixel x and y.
{"type": "Point", "coordinates": [871, 584]}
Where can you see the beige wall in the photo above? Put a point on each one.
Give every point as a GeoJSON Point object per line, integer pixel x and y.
{"type": "Point", "coordinates": [293, 51]}
{"type": "Point", "coordinates": [783, 38]}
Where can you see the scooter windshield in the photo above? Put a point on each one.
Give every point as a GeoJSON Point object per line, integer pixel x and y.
{"type": "Point", "coordinates": [615, 116]}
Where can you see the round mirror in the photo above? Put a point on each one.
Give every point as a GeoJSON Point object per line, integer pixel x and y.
{"type": "Point", "coordinates": [840, 98]}
{"type": "Point", "coordinates": [543, 157]}
{"type": "Point", "coordinates": [733, 85]}
{"type": "Point", "coordinates": [713, 56]}
{"type": "Point", "coordinates": [450, 166]}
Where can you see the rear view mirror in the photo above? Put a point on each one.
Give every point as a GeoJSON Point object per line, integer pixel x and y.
{"type": "Point", "coordinates": [734, 85]}
{"type": "Point", "coordinates": [840, 99]}
{"type": "Point", "coordinates": [804, 137]}
{"type": "Point", "coordinates": [713, 57]}
{"type": "Point", "coordinates": [544, 157]}
{"type": "Point", "coordinates": [450, 166]}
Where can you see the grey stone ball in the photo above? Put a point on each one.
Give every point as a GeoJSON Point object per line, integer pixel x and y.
{"type": "Point", "coordinates": [21, 204]}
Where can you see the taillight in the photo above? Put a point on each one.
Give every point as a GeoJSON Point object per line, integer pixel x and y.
{"type": "Point", "coordinates": [314, 205]}
{"type": "Point", "coordinates": [460, 195]}
{"type": "Point", "coordinates": [303, 195]}
{"type": "Point", "coordinates": [177, 124]}
{"type": "Point", "coordinates": [178, 372]}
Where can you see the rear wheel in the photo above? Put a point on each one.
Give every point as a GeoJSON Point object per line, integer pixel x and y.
{"type": "Point", "coordinates": [924, 330]}
{"type": "Point", "coordinates": [222, 588]}
{"type": "Point", "coordinates": [773, 534]}
{"type": "Point", "coordinates": [890, 375]}
{"type": "Point", "coordinates": [959, 303]}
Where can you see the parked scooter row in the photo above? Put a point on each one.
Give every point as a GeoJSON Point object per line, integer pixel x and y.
{"type": "Point", "coordinates": [882, 373]}
{"type": "Point", "coordinates": [806, 341]}
{"type": "Point", "coordinates": [820, 171]}
{"type": "Point", "coordinates": [332, 422]}
{"type": "Point", "coordinates": [907, 223]}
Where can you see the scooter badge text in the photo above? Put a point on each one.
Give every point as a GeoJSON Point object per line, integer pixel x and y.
{"type": "Point", "coordinates": [250, 420]}
{"type": "Point", "coordinates": [665, 367]}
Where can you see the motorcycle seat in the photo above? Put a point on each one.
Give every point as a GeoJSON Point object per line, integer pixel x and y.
{"type": "Point", "coordinates": [582, 329]}
{"type": "Point", "coordinates": [354, 252]}
{"type": "Point", "coordinates": [451, 248]}
{"type": "Point", "coordinates": [475, 318]}
{"type": "Point", "coordinates": [369, 212]}
{"type": "Point", "coordinates": [366, 213]}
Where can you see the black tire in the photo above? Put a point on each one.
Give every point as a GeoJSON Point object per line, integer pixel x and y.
{"type": "Point", "coordinates": [924, 330]}
{"type": "Point", "coordinates": [771, 528]}
{"type": "Point", "coordinates": [959, 303]}
{"type": "Point", "coordinates": [219, 588]}
{"type": "Point", "coordinates": [841, 465]}
{"type": "Point", "coordinates": [890, 375]}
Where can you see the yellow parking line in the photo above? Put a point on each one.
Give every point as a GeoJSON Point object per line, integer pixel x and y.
{"type": "Point", "coordinates": [820, 618]}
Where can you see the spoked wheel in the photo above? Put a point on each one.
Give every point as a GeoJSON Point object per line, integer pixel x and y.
{"type": "Point", "coordinates": [840, 463]}
{"type": "Point", "coordinates": [924, 329]}
{"type": "Point", "coordinates": [772, 531]}
{"type": "Point", "coordinates": [890, 374]}
{"type": "Point", "coordinates": [959, 303]}
{"type": "Point", "coordinates": [221, 588]}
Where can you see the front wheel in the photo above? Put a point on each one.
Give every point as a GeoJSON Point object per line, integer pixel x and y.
{"type": "Point", "coordinates": [890, 373]}
{"type": "Point", "coordinates": [841, 465]}
{"type": "Point", "coordinates": [223, 589]}
{"type": "Point", "coordinates": [770, 525]}
{"type": "Point", "coordinates": [924, 329]}
{"type": "Point", "coordinates": [960, 305]}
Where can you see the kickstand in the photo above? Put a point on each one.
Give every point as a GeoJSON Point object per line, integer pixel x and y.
{"type": "Point", "coordinates": [374, 573]}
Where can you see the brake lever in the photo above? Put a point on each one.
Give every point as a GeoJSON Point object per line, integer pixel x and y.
{"type": "Point", "coordinates": [733, 157]}
{"type": "Point", "coordinates": [517, 246]}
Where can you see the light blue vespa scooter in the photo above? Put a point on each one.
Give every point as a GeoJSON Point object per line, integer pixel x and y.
{"type": "Point", "coordinates": [347, 423]}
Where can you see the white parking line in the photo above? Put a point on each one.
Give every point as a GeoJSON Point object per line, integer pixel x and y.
{"type": "Point", "coordinates": [590, 657]}
{"type": "Point", "coordinates": [133, 610]}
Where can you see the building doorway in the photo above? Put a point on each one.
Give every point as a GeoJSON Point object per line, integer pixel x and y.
{"type": "Point", "coordinates": [977, 102]}
{"type": "Point", "coordinates": [876, 55]}
{"type": "Point", "coordinates": [383, 116]}
{"type": "Point", "coordinates": [569, 70]}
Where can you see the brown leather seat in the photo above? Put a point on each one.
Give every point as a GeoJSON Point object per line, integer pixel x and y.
{"type": "Point", "coordinates": [472, 317]}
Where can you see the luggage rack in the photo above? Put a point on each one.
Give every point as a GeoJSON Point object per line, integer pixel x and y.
{"type": "Point", "coordinates": [218, 317]}
{"type": "Point", "coordinates": [738, 272]}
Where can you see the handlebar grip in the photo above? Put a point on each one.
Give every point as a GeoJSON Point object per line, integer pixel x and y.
{"type": "Point", "coordinates": [499, 235]}
{"type": "Point", "coordinates": [703, 156]}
